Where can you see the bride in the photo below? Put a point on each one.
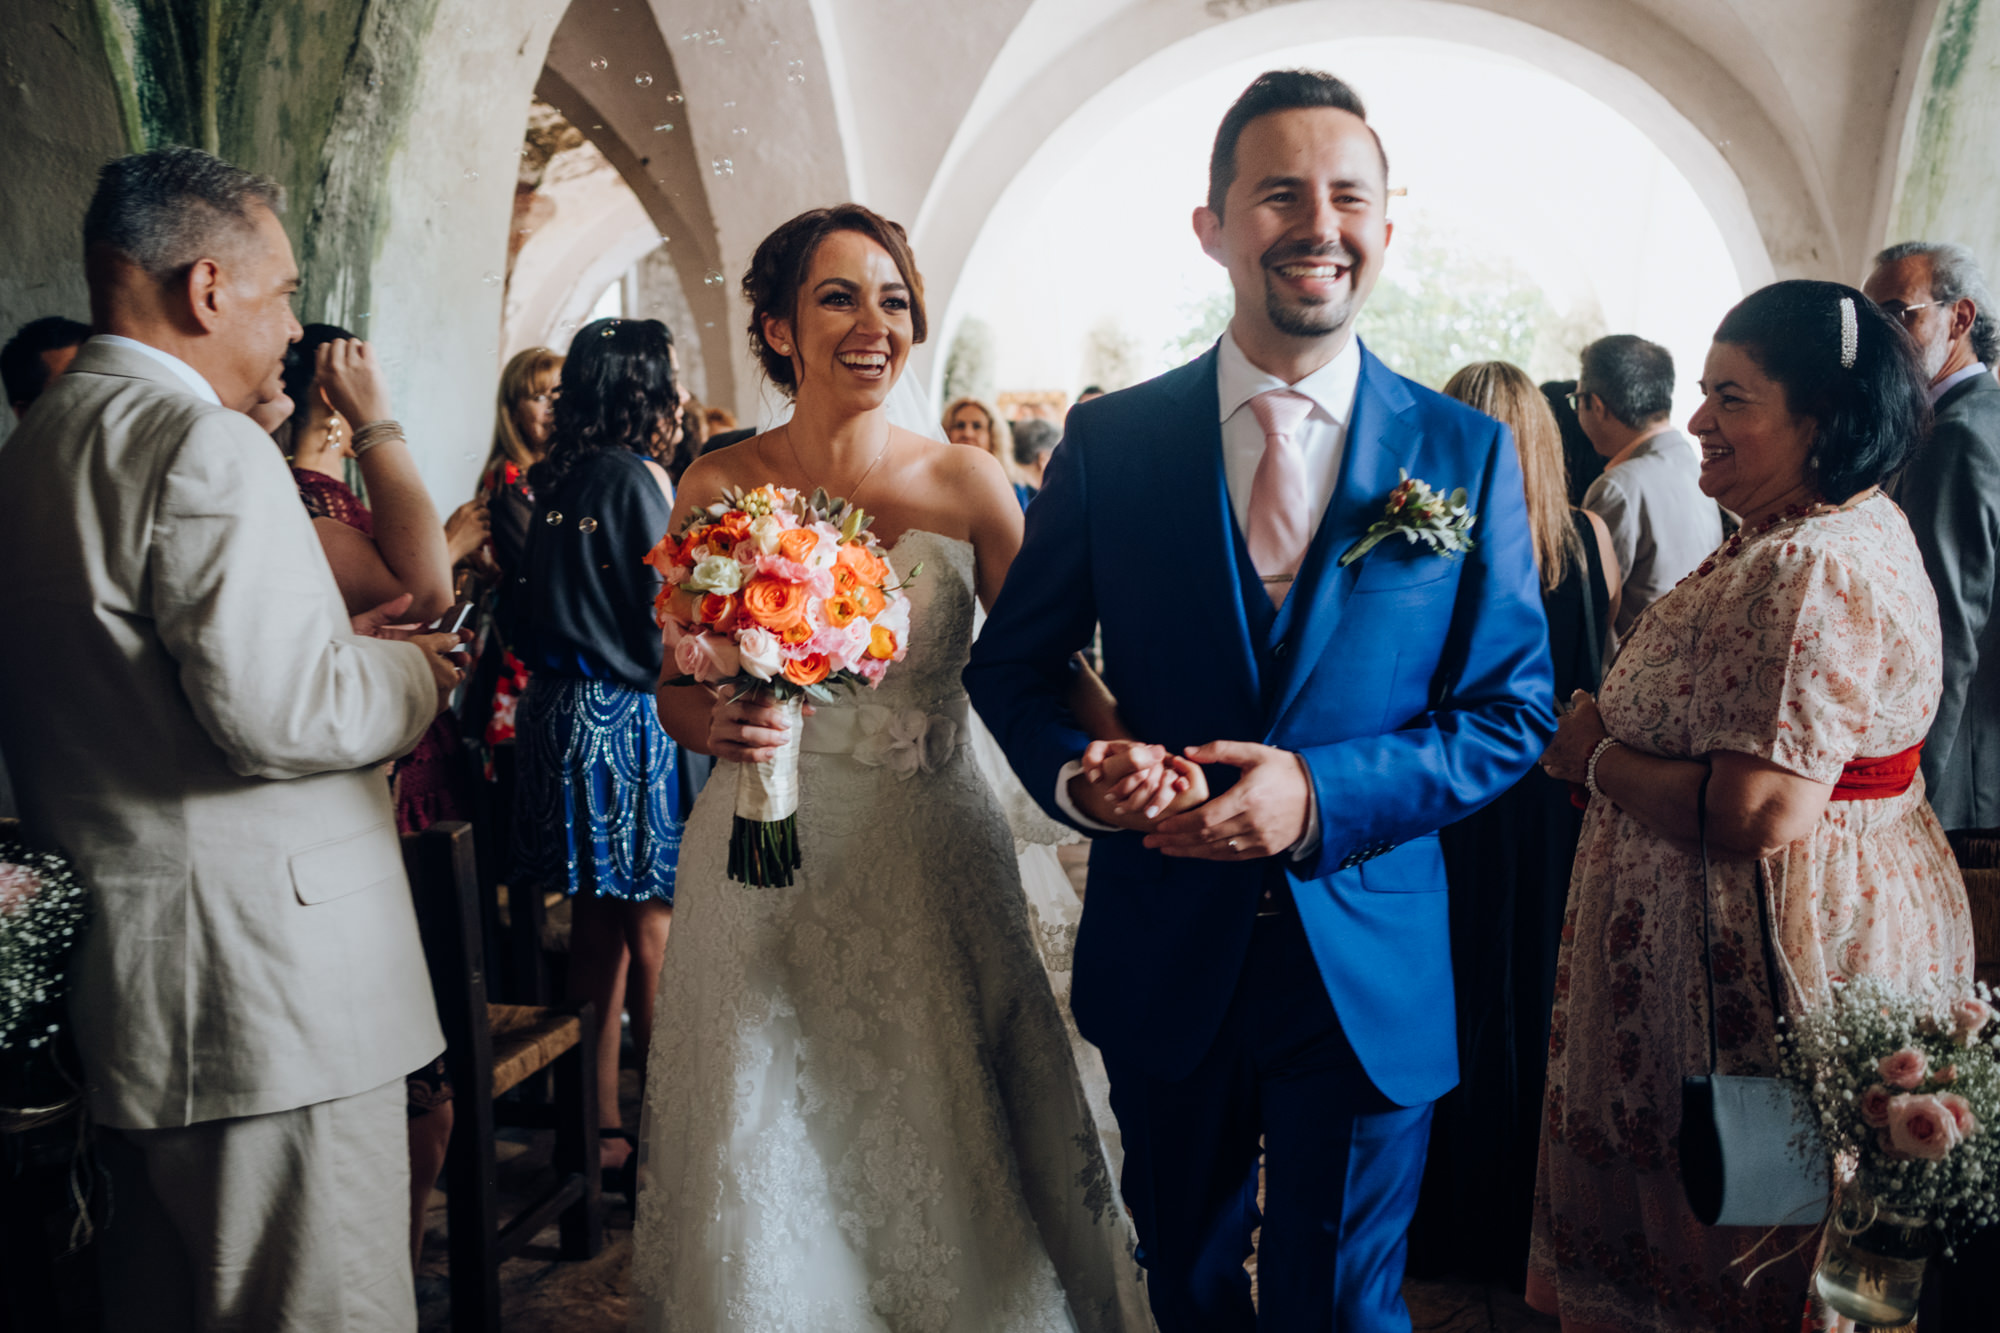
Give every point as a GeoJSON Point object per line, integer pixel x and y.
{"type": "Point", "coordinates": [863, 1110]}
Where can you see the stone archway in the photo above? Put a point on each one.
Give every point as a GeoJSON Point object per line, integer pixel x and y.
{"type": "Point", "coordinates": [1729, 125]}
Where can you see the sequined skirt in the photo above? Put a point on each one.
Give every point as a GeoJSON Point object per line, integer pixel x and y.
{"type": "Point", "coordinates": [597, 806]}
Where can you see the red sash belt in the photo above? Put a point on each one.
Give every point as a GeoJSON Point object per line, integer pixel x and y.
{"type": "Point", "coordinates": [1877, 779]}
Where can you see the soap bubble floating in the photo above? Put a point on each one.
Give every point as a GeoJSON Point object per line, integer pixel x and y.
{"type": "Point", "coordinates": [643, 79]}
{"type": "Point", "coordinates": [599, 63]}
{"type": "Point", "coordinates": [722, 166]}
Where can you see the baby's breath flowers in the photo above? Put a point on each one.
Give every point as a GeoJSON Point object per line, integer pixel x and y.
{"type": "Point", "coordinates": [1908, 1097]}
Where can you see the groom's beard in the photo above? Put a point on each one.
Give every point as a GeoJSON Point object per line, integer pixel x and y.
{"type": "Point", "coordinates": [1309, 318]}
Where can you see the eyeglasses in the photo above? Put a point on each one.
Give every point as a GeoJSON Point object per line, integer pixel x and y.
{"type": "Point", "coordinates": [1901, 313]}
{"type": "Point", "coordinates": [1576, 397]}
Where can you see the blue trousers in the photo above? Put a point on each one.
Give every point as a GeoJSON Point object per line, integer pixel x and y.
{"type": "Point", "coordinates": [1342, 1165]}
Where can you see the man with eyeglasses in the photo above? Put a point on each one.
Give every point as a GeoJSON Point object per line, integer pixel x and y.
{"type": "Point", "coordinates": [1951, 493]}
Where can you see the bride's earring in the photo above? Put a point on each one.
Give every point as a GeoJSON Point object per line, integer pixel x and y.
{"type": "Point", "coordinates": [333, 434]}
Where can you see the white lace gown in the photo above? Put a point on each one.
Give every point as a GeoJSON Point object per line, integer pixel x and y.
{"type": "Point", "coordinates": [863, 1109]}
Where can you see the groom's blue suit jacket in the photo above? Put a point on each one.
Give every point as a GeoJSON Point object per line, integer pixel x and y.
{"type": "Point", "coordinates": [1416, 688]}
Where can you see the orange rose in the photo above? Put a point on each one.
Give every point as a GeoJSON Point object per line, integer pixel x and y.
{"type": "Point", "coordinates": [693, 539]}
{"type": "Point", "coordinates": [774, 603]}
{"type": "Point", "coordinates": [867, 567]}
{"type": "Point", "coordinates": [841, 608]}
{"type": "Point", "coordinates": [797, 544]}
{"type": "Point", "coordinates": [798, 633]}
{"type": "Point", "coordinates": [664, 555]}
{"type": "Point", "coordinates": [882, 643]}
{"type": "Point", "coordinates": [872, 601]}
{"type": "Point", "coordinates": [716, 607]}
{"type": "Point", "coordinates": [808, 670]}
{"type": "Point", "coordinates": [735, 523]}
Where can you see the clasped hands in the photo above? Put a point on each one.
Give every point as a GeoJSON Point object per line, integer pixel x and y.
{"type": "Point", "coordinates": [1130, 785]}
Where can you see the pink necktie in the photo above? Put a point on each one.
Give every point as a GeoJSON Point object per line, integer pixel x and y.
{"type": "Point", "coordinates": [1280, 513]}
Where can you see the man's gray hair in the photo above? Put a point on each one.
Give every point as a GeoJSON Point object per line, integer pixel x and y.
{"type": "Point", "coordinates": [169, 207]}
{"type": "Point", "coordinates": [1955, 276]}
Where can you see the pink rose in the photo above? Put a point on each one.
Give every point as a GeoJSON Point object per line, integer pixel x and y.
{"type": "Point", "coordinates": [677, 574]}
{"type": "Point", "coordinates": [1968, 1016]}
{"type": "Point", "coordinates": [1875, 1106]}
{"type": "Point", "coordinates": [1904, 1069]}
{"type": "Point", "coordinates": [1949, 1074]}
{"type": "Point", "coordinates": [17, 884]}
{"type": "Point", "coordinates": [1922, 1127]}
{"type": "Point", "coordinates": [707, 657]}
{"type": "Point", "coordinates": [1961, 1111]}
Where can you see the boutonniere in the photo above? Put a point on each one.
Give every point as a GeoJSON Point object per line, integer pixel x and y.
{"type": "Point", "coordinates": [1420, 514]}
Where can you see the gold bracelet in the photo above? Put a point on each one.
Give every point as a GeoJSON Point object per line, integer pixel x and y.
{"type": "Point", "coordinates": [374, 433]}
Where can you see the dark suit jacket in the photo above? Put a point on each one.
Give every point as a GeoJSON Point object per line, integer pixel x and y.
{"type": "Point", "coordinates": [1415, 687]}
{"type": "Point", "coordinates": [1951, 493]}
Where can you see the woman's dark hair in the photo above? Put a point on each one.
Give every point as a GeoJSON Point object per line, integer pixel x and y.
{"type": "Point", "coordinates": [302, 364]}
{"type": "Point", "coordinates": [779, 269]}
{"type": "Point", "coordinates": [1867, 417]}
{"type": "Point", "coordinates": [617, 390]}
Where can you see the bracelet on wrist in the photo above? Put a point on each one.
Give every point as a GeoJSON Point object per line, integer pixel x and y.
{"type": "Point", "coordinates": [374, 433]}
{"type": "Point", "coordinates": [1590, 769]}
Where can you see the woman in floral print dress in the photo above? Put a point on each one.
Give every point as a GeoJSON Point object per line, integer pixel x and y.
{"type": "Point", "coordinates": [1795, 673]}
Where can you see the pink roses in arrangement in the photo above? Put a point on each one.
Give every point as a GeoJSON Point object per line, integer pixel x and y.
{"type": "Point", "coordinates": [1905, 1092]}
{"type": "Point", "coordinates": [771, 592]}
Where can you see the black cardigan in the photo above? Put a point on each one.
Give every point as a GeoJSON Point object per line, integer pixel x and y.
{"type": "Point", "coordinates": [584, 592]}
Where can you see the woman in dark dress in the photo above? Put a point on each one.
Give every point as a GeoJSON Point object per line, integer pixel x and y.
{"type": "Point", "coordinates": [1508, 867]}
{"type": "Point", "coordinates": [597, 805]}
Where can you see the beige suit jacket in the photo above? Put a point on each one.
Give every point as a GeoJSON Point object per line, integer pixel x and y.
{"type": "Point", "coordinates": [187, 713]}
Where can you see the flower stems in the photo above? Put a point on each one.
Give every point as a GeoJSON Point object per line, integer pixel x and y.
{"type": "Point", "coordinates": [764, 854]}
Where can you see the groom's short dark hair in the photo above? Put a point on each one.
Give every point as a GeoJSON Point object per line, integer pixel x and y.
{"type": "Point", "coordinates": [1278, 90]}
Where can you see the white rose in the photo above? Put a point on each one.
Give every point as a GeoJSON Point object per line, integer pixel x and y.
{"type": "Point", "coordinates": [761, 653]}
{"type": "Point", "coordinates": [715, 573]}
{"type": "Point", "coordinates": [765, 533]}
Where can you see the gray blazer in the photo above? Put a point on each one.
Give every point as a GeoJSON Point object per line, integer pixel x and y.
{"type": "Point", "coordinates": [1951, 493]}
{"type": "Point", "coordinates": [187, 713]}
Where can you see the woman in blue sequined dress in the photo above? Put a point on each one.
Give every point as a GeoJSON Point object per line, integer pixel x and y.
{"type": "Point", "coordinates": [597, 810]}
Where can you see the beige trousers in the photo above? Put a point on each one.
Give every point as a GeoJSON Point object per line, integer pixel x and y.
{"type": "Point", "coordinates": [294, 1222]}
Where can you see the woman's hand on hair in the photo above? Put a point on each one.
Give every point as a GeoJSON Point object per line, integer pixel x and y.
{"type": "Point", "coordinates": [1577, 734]}
{"type": "Point", "coordinates": [467, 529]}
{"type": "Point", "coordinates": [351, 378]}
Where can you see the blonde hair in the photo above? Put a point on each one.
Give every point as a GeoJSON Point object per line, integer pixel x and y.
{"type": "Point", "coordinates": [999, 435]}
{"type": "Point", "coordinates": [1504, 392]}
{"type": "Point", "coordinates": [528, 373]}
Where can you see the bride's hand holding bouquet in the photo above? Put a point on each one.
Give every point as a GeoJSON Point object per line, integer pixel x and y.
{"type": "Point", "coordinates": [772, 598]}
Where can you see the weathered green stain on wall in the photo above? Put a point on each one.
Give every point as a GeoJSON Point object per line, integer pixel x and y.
{"type": "Point", "coordinates": [309, 92]}
{"type": "Point", "coordinates": [1950, 190]}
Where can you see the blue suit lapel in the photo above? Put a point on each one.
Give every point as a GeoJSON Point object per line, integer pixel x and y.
{"type": "Point", "coordinates": [1193, 498]}
{"type": "Point", "coordinates": [1369, 464]}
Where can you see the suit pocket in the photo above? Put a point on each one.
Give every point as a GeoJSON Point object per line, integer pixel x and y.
{"type": "Point", "coordinates": [1415, 867]}
{"type": "Point", "coordinates": [347, 865]}
{"type": "Point", "coordinates": [1396, 565]}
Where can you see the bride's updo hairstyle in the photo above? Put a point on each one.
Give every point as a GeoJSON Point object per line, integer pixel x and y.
{"type": "Point", "coordinates": [1867, 416]}
{"type": "Point", "coordinates": [782, 263]}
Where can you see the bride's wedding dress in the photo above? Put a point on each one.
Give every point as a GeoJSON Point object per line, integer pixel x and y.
{"type": "Point", "coordinates": [863, 1111]}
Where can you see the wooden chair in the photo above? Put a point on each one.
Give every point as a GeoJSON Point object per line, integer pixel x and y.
{"type": "Point", "coordinates": [1978, 853]}
{"type": "Point", "coordinates": [494, 1047]}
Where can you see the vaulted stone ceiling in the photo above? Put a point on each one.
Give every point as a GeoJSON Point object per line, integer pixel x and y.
{"type": "Point", "coordinates": [398, 128]}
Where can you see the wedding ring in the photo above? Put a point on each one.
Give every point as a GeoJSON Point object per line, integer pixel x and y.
{"type": "Point", "coordinates": [1232, 844]}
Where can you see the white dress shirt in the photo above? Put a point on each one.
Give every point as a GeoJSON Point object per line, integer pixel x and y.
{"type": "Point", "coordinates": [187, 374]}
{"type": "Point", "coordinates": [1322, 438]}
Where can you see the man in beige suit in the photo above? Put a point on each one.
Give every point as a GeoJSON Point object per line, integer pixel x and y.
{"type": "Point", "coordinates": [190, 714]}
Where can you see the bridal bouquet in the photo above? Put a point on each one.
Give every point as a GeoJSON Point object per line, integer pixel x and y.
{"type": "Point", "coordinates": [1909, 1106]}
{"type": "Point", "coordinates": [787, 595]}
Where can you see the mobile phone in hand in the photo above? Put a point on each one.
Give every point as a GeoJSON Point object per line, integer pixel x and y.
{"type": "Point", "coordinates": [452, 621]}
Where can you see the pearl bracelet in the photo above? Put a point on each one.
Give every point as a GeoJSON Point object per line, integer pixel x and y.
{"type": "Point", "coordinates": [1590, 769]}
{"type": "Point", "coordinates": [374, 433]}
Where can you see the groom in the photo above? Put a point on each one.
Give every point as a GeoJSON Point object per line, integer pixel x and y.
{"type": "Point", "coordinates": [1274, 965]}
